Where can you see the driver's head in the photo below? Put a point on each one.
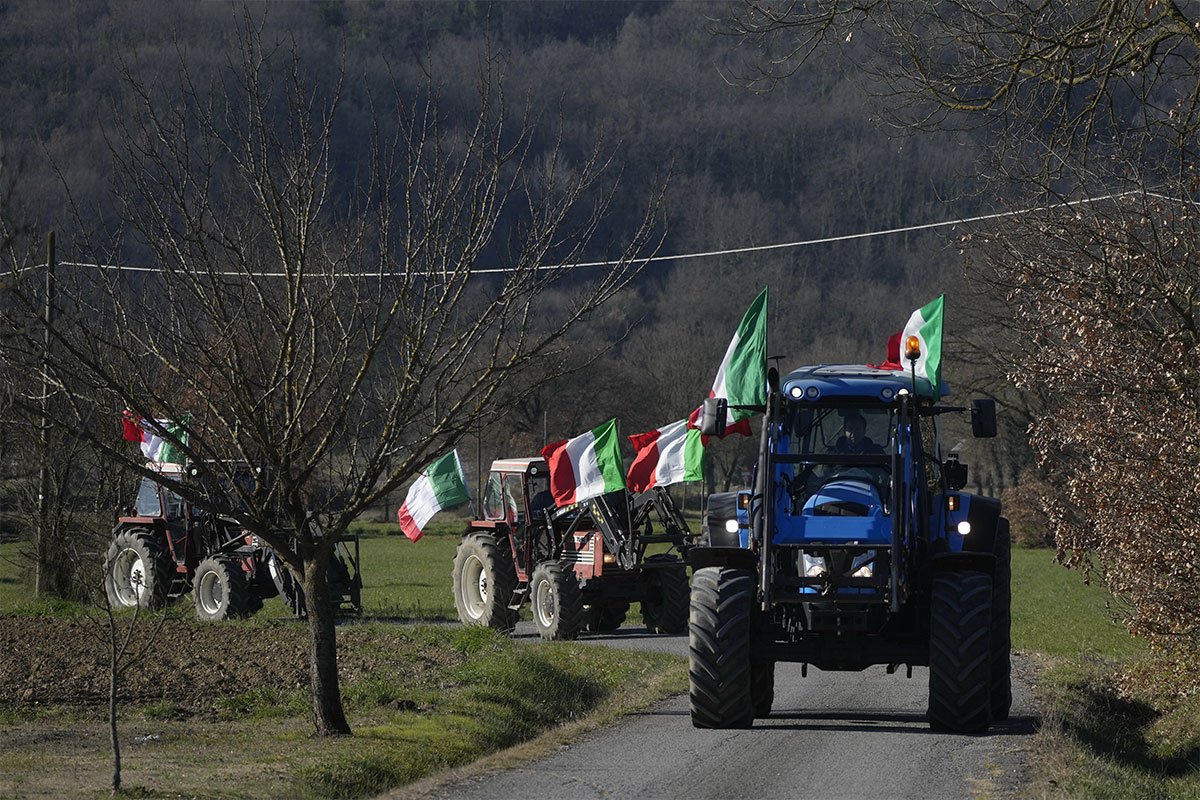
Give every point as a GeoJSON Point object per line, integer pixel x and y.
{"type": "Point", "coordinates": [854, 427]}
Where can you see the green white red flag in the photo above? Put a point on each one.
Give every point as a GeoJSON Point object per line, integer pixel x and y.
{"type": "Point", "coordinates": [586, 466]}
{"type": "Point", "coordinates": [442, 485]}
{"type": "Point", "coordinates": [671, 454]}
{"type": "Point", "coordinates": [157, 439]}
{"type": "Point", "coordinates": [926, 324]}
{"type": "Point", "coordinates": [742, 376]}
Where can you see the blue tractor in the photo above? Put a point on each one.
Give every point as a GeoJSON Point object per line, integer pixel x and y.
{"type": "Point", "coordinates": [856, 546]}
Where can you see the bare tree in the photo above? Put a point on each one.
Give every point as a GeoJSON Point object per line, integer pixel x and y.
{"type": "Point", "coordinates": [1057, 83]}
{"type": "Point", "coordinates": [330, 323]}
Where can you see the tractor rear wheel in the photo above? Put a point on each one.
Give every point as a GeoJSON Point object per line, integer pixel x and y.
{"type": "Point", "coordinates": [665, 610]}
{"type": "Point", "coordinates": [960, 653]}
{"type": "Point", "coordinates": [1002, 624]}
{"type": "Point", "coordinates": [719, 672]}
{"type": "Point", "coordinates": [484, 580]}
{"type": "Point", "coordinates": [557, 601]}
{"type": "Point", "coordinates": [220, 590]}
{"type": "Point", "coordinates": [762, 687]}
{"type": "Point", "coordinates": [137, 570]}
{"type": "Point", "coordinates": [604, 617]}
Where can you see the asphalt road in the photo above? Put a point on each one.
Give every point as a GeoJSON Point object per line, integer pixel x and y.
{"type": "Point", "coordinates": [831, 735]}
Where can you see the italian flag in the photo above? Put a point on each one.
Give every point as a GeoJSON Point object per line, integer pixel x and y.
{"type": "Point", "coordinates": [742, 376]}
{"type": "Point", "coordinates": [926, 324]}
{"type": "Point", "coordinates": [671, 454]}
{"type": "Point", "coordinates": [155, 446]}
{"type": "Point", "coordinates": [586, 466]}
{"type": "Point", "coordinates": [442, 485]}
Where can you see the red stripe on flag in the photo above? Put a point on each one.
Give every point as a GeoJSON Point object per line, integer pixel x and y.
{"type": "Point", "coordinates": [130, 430]}
{"type": "Point", "coordinates": [562, 476]}
{"type": "Point", "coordinates": [893, 354]}
{"type": "Point", "coordinates": [641, 472]}
{"type": "Point", "coordinates": [408, 524]}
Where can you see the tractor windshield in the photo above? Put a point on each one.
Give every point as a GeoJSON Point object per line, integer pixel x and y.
{"type": "Point", "coordinates": [846, 443]}
{"type": "Point", "coordinates": [148, 502]}
{"type": "Point", "coordinates": [850, 430]}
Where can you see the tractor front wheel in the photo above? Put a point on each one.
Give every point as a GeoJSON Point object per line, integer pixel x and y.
{"type": "Point", "coordinates": [137, 570]}
{"type": "Point", "coordinates": [665, 609]}
{"type": "Point", "coordinates": [220, 590]}
{"type": "Point", "coordinates": [960, 652]}
{"type": "Point", "coordinates": [484, 580]}
{"type": "Point", "coordinates": [286, 585]}
{"type": "Point", "coordinates": [720, 678]}
{"type": "Point", "coordinates": [557, 601]}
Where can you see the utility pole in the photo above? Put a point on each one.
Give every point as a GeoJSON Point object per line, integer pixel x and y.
{"type": "Point", "coordinates": [479, 471]}
{"type": "Point", "coordinates": [39, 579]}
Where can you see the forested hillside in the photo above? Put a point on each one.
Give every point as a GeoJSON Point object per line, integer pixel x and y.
{"type": "Point", "coordinates": [651, 81]}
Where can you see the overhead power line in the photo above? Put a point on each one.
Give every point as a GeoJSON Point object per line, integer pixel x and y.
{"type": "Point", "coordinates": [732, 251]}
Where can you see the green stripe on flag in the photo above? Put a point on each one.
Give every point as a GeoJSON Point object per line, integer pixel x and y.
{"type": "Point", "coordinates": [931, 332]}
{"type": "Point", "coordinates": [608, 455]}
{"type": "Point", "coordinates": [171, 453]}
{"type": "Point", "coordinates": [449, 483]}
{"type": "Point", "coordinates": [746, 373]}
{"type": "Point", "coordinates": [693, 456]}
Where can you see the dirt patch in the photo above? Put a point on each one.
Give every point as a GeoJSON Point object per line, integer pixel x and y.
{"type": "Point", "coordinates": [48, 661]}
{"type": "Point", "coordinates": [53, 661]}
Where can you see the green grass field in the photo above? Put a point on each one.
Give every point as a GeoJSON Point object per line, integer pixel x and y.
{"type": "Point", "coordinates": [1056, 613]}
{"type": "Point", "coordinates": [1092, 743]}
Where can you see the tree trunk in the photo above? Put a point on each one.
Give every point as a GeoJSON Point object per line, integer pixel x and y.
{"type": "Point", "coordinates": [113, 679]}
{"type": "Point", "coordinates": [328, 715]}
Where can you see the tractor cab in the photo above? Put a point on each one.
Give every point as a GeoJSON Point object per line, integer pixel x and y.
{"type": "Point", "coordinates": [517, 497]}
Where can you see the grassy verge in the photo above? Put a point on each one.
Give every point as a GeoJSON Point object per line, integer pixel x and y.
{"type": "Point", "coordinates": [422, 700]}
{"type": "Point", "coordinates": [1114, 724]}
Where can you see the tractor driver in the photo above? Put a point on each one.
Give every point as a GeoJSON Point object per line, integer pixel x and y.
{"type": "Point", "coordinates": [540, 499]}
{"type": "Point", "coordinates": [854, 439]}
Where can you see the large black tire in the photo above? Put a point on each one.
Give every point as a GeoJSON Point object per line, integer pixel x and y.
{"type": "Point", "coordinates": [1002, 624]}
{"type": "Point", "coordinates": [604, 617]}
{"type": "Point", "coordinates": [220, 590]}
{"type": "Point", "coordinates": [138, 570]}
{"type": "Point", "coordinates": [960, 653]}
{"type": "Point", "coordinates": [290, 591]}
{"type": "Point", "coordinates": [557, 601]}
{"type": "Point", "coordinates": [484, 580]}
{"type": "Point", "coordinates": [762, 687]}
{"type": "Point", "coordinates": [719, 674]}
{"type": "Point", "coordinates": [665, 609]}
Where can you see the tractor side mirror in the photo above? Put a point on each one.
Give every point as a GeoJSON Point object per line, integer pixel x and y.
{"type": "Point", "coordinates": [983, 419]}
{"type": "Point", "coordinates": [955, 472]}
{"type": "Point", "coordinates": [712, 416]}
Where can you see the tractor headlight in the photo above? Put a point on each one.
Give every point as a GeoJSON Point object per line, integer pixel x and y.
{"type": "Point", "coordinates": [731, 525]}
{"type": "Point", "coordinates": [814, 566]}
{"type": "Point", "coordinates": [864, 571]}
{"type": "Point", "coordinates": [964, 528]}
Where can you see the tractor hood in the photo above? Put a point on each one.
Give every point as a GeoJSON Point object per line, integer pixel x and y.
{"type": "Point", "coordinates": [845, 498]}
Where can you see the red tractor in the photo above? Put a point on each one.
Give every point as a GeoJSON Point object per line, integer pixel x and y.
{"type": "Point", "coordinates": [168, 546]}
{"type": "Point", "coordinates": [580, 566]}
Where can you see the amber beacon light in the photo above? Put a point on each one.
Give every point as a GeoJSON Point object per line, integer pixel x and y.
{"type": "Point", "coordinates": [912, 348]}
